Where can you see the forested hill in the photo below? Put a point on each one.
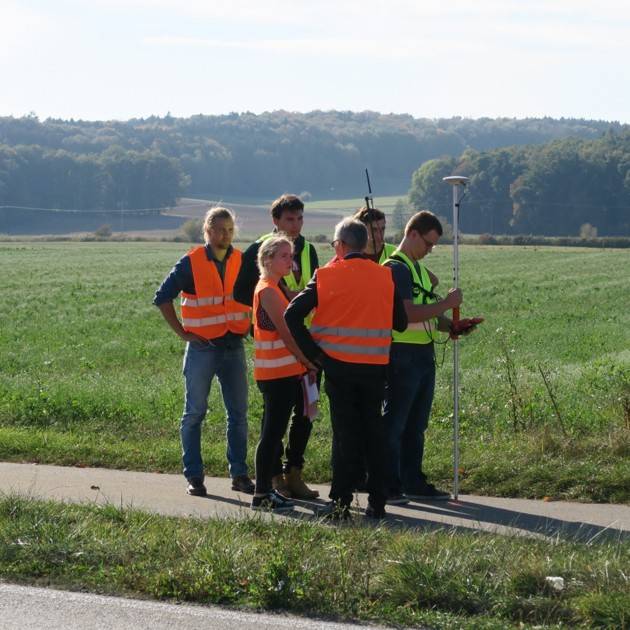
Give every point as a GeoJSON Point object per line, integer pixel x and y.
{"type": "Point", "coordinates": [563, 187]}
{"type": "Point", "coordinates": [149, 162]}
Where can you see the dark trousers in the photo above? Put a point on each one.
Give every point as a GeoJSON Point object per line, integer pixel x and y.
{"type": "Point", "coordinates": [297, 440]}
{"type": "Point", "coordinates": [299, 433]}
{"type": "Point", "coordinates": [281, 397]}
{"type": "Point", "coordinates": [355, 414]}
{"type": "Point", "coordinates": [409, 396]}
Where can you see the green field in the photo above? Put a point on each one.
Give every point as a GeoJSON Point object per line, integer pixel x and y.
{"type": "Point", "coordinates": [90, 373]}
{"type": "Point", "coordinates": [253, 217]}
{"type": "Point", "coordinates": [386, 204]}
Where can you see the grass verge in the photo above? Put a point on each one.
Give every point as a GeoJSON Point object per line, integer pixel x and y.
{"type": "Point", "coordinates": [438, 578]}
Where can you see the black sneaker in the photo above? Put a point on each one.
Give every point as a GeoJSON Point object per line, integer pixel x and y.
{"type": "Point", "coordinates": [272, 502]}
{"type": "Point", "coordinates": [196, 487]}
{"type": "Point", "coordinates": [335, 512]}
{"type": "Point", "coordinates": [428, 492]}
{"type": "Point", "coordinates": [242, 483]}
{"type": "Point", "coordinates": [397, 499]}
{"type": "Point", "coordinates": [375, 512]}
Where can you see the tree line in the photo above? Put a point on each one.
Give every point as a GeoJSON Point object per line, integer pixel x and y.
{"type": "Point", "coordinates": [563, 187]}
{"type": "Point", "coordinates": [34, 176]}
{"type": "Point", "coordinates": [149, 162]}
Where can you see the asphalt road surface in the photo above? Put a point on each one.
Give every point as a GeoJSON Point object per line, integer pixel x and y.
{"type": "Point", "coordinates": [165, 494]}
{"type": "Point", "coordinates": [31, 608]}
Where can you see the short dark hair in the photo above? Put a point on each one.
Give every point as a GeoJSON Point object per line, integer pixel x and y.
{"type": "Point", "coordinates": [423, 222]}
{"type": "Point", "coordinates": [368, 215]}
{"type": "Point", "coordinates": [286, 203]}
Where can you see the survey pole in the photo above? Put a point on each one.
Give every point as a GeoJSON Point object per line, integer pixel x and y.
{"type": "Point", "coordinates": [458, 183]}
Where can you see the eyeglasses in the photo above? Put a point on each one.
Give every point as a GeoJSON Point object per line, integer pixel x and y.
{"type": "Point", "coordinates": [428, 243]}
{"type": "Point", "coordinates": [333, 244]}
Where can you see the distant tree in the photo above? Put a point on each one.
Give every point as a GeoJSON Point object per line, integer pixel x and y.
{"type": "Point", "coordinates": [193, 230]}
{"type": "Point", "coordinates": [428, 191]}
{"type": "Point", "coordinates": [588, 231]}
{"type": "Point", "coordinates": [103, 231]}
{"type": "Point", "coordinates": [447, 229]}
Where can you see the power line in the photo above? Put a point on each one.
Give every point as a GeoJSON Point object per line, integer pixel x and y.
{"type": "Point", "coordinates": [135, 211]}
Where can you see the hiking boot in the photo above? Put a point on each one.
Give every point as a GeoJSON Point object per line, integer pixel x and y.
{"type": "Point", "coordinates": [279, 483]}
{"type": "Point", "coordinates": [397, 499]}
{"type": "Point", "coordinates": [427, 492]}
{"type": "Point", "coordinates": [377, 513]}
{"type": "Point", "coordinates": [242, 483]}
{"type": "Point", "coordinates": [272, 502]}
{"type": "Point", "coordinates": [297, 487]}
{"type": "Point", "coordinates": [334, 512]}
{"type": "Point", "coordinates": [196, 487]}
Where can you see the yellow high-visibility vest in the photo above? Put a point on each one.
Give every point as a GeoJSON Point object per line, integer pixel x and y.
{"type": "Point", "coordinates": [417, 332]}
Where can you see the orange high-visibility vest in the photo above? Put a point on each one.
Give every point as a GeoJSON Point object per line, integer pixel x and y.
{"type": "Point", "coordinates": [272, 359]}
{"type": "Point", "coordinates": [355, 303]}
{"type": "Point", "coordinates": [211, 311]}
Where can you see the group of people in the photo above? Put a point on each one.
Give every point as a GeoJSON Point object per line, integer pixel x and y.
{"type": "Point", "coordinates": [367, 320]}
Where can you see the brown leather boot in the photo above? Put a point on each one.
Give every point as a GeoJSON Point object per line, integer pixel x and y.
{"type": "Point", "coordinates": [279, 483]}
{"type": "Point", "coordinates": [297, 487]}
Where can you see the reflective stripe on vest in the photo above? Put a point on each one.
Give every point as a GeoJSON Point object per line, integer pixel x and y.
{"type": "Point", "coordinates": [352, 332]}
{"type": "Point", "coordinates": [418, 332]}
{"type": "Point", "coordinates": [305, 266]}
{"type": "Point", "coordinates": [206, 301]}
{"type": "Point", "coordinates": [349, 349]}
{"type": "Point", "coordinates": [427, 326]}
{"type": "Point", "coordinates": [353, 324]}
{"type": "Point", "coordinates": [213, 321]}
{"type": "Point", "coordinates": [211, 311]}
{"type": "Point", "coordinates": [269, 345]}
{"type": "Point", "coordinates": [274, 363]}
{"type": "Point", "coordinates": [272, 359]}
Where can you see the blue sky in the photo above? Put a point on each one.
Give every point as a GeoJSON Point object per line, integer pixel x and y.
{"type": "Point", "coordinates": [118, 59]}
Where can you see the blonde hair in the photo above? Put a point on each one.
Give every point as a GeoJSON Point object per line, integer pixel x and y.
{"type": "Point", "coordinates": [269, 248]}
{"type": "Point", "coordinates": [218, 212]}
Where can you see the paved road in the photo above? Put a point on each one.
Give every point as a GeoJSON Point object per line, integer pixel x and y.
{"type": "Point", "coordinates": [30, 608]}
{"type": "Point", "coordinates": [165, 494]}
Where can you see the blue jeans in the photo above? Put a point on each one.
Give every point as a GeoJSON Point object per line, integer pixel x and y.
{"type": "Point", "coordinates": [408, 400]}
{"type": "Point", "coordinates": [201, 363]}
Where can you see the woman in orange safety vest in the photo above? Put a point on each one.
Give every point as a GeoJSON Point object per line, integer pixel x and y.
{"type": "Point", "coordinates": [278, 369]}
